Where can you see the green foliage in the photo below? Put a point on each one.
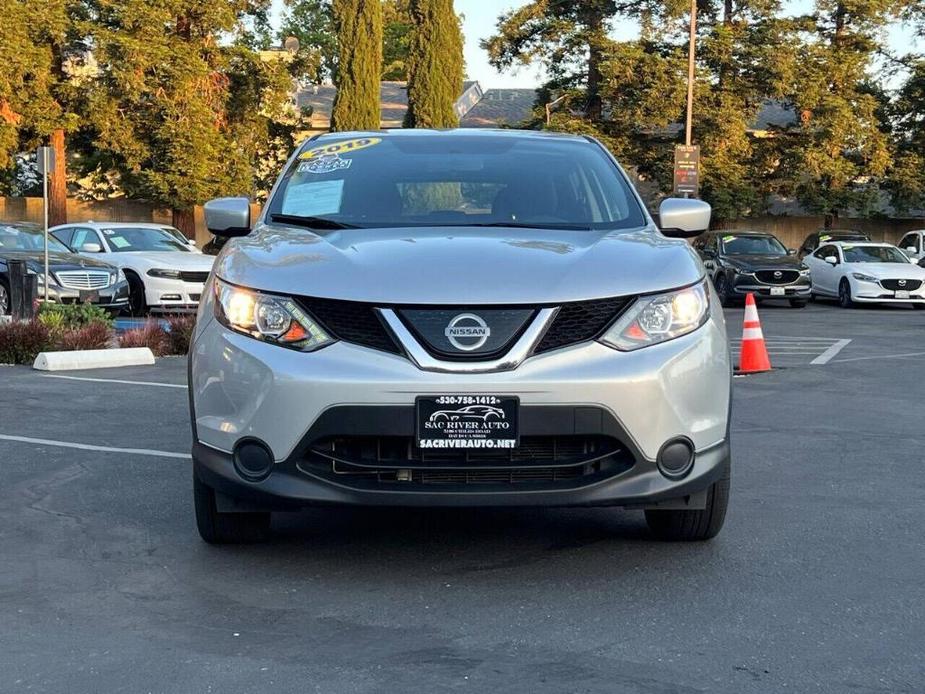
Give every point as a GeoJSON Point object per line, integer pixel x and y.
{"type": "Point", "coordinates": [359, 64]}
{"type": "Point", "coordinates": [312, 23]}
{"type": "Point", "coordinates": [435, 65]}
{"type": "Point", "coordinates": [396, 39]}
{"type": "Point", "coordinates": [67, 316]}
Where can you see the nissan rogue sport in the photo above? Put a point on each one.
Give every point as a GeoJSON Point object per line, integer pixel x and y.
{"type": "Point", "coordinates": [458, 318]}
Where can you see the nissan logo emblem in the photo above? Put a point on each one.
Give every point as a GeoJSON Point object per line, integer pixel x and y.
{"type": "Point", "coordinates": [467, 332]}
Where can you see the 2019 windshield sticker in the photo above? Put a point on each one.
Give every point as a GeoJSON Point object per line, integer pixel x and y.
{"type": "Point", "coordinates": [337, 148]}
{"type": "Point", "coordinates": [325, 164]}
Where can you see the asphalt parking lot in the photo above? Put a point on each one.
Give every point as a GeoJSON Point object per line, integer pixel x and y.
{"type": "Point", "coordinates": [815, 584]}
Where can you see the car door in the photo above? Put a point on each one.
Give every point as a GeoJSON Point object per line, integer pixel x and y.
{"type": "Point", "coordinates": [825, 276]}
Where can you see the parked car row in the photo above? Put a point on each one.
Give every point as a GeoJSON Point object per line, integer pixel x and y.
{"type": "Point", "coordinates": [133, 267]}
{"type": "Point", "coordinates": [843, 265]}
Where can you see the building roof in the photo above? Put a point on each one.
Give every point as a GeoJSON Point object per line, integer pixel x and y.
{"type": "Point", "coordinates": [510, 107]}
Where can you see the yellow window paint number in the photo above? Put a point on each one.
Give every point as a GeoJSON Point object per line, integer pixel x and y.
{"type": "Point", "coordinates": [338, 148]}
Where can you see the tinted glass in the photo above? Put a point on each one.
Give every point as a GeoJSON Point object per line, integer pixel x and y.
{"type": "Point", "coordinates": [873, 254]}
{"type": "Point", "coordinates": [125, 239]}
{"type": "Point", "coordinates": [27, 238]}
{"type": "Point", "coordinates": [457, 181]}
{"type": "Point", "coordinates": [752, 245]}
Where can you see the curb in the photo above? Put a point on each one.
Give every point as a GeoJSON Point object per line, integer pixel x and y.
{"type": "Point", "coordinates": [93, 359]}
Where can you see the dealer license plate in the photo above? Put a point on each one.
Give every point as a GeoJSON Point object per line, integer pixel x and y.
{"type": "Point", "coordinates": [778, 291]}
{"type": "Point", "coordinates": [902, 293]}
{"type": "Point", "coordinates": [467, 421]}
{"type": "Point", "coordinates": [88, 296]}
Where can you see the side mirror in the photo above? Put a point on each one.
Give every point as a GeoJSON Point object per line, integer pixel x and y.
{"type": "Point", "coordinates": [683, 218]}
{"type": "Point", "coordinates": [831, 260]}
{"type": "Point", "coordinates": [910, 249]}
{"type": "Point", "coordinates": [191, 242]}
{"type": "Point", "coordinates": [91, 248]}
{"type": "Point", "coordinates": [228, 216]}
{"type": "Point", "coordinates": [791, 251]}
{"type": "Point", "coordinates": [914, 261]}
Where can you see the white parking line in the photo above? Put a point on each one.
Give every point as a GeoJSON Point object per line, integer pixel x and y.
{"type": "Point", "coordinates": [826, 356]}
{"type": "Point", "coordinates": [89, 447]}
{"type": "Point", "coordinates": [116, 380]}
{"type": "Point", "coordinates": [882, 356]}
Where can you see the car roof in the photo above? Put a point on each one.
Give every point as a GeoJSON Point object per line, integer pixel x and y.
{"type": "Point", "coordinates": [25, 226]}
{"type": "Point", "coordinates": [116, 225]}
{"type": "Point", "coordinates": [741, 232]}
{"type": "Point", "coordinates": [841, 232]}
{"type": "Point", "coordinates": [859, 243]}
{"type": "Point", "coordinates": [452, 133]}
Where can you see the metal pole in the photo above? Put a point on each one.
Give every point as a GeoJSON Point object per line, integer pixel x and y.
{"type": "Point", "coordinates": [45, 205]}
{"type": "Point", "coordinates": [691, 54]}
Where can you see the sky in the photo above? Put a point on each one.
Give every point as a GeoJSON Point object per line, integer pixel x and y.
{"type": "Point", "coordinates": [481, 16]}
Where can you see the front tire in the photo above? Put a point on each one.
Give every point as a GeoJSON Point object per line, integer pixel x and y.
{"type": "Point", "coordinates": [137, 305]}
{"type": "Point", "coordinates": [4, 298]}
{"type": "Point", "coordinates": [722, 290]}
{"type": "Point", "coordinates": [696, 525]}
{"type": "Point", "coordinates": [844, 294]}
{"type": "Point", "coordinates": [218, 528]}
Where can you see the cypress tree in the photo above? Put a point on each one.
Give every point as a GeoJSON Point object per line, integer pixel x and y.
{"type": "Point", "coordinates": [359, 64]}
{"type": "Point", "coordinates": [435, 65]}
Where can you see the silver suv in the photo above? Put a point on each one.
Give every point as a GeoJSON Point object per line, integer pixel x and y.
{"type": "Point", "coordinates": [463, 318]}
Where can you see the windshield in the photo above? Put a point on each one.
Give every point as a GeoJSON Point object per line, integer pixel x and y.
{"type": "Point", "coordinates": [752, 245]}
{"type": "Point", "coordinates": [15, 238]}
{"type": "Point", "coordinates": [434, 180]}
{"type": "Point", "coordinates": [873, 254]}
{"type": "Point", "coordinates": [125, 239]}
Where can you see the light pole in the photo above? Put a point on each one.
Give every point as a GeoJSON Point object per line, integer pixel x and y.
{"type": "Point", "coordinates": [691, 55]}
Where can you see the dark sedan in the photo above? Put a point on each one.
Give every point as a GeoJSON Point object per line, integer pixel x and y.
{"type": "Point", "coordinates": [752, 262]}
{"type": "Point", "coordinates": [74, 279]}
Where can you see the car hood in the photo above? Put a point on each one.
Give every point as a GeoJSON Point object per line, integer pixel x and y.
{"type": "Point", "coordinates": [35, 261]}
{"type": "Point", "coordinates": [757, 262]}
{"type": "Point", "coordinates": [888, 271]}
{"type": "Point", "coordinates": [454, 265]}
{"type": "Point", "coordinates": [168, 260]}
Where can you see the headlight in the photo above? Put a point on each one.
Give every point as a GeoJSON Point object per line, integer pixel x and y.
{"type": "Point", "coordinates": [804, 270]}
{"type": "Point", "coordinates": [164, 274]}
{"type": "Point", "coordinates": [659, 318]}
{"type": "Point", "coordinates": [860, 276]}
{"type": "Point", "coordinates": [39, 277]}
{"type": "Point", "coordinates": [269, 318]}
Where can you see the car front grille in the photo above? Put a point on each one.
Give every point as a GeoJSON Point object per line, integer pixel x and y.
{"type": "Point", "coordinates": [359, 323]}
{"type": "Point", "coordinates": [383, 460]}
{"type": "Point", "coordinates": [777, 276]}
{"type": "Point", "coordinates": [900, 285]}
{"type": "Point", "coordinates": [191, 276]}
{"type": "Point", "coordinates": [83, 279]}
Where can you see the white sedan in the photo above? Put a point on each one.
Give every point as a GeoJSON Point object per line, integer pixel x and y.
{"type": "Point", "coordinates": [164, 274]}
{"type": "Point", "coordinates": [866, 272]}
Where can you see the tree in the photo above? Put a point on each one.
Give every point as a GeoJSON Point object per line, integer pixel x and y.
{"type": "Point", "coordinates": [396, 39]}
{"type": "Point", "coordinates": [177, 113]}
{"type": "Point", "coordinates": [359, 64]}
{"type": "Point", "coordinates": [312, 23]}
{"type": "Point", "coordinates": [435, 65]}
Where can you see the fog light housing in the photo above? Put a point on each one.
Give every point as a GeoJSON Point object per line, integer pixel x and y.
{"type": "Point", "coordinates": [252, 459]}
{"type": "Point", "coordinates": [676, 458]}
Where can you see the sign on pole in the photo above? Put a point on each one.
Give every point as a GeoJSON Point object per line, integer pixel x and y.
{"type": "Point", "coordinates": [686, 169]}
{"type": "Point", "coordinates": [45, 160]}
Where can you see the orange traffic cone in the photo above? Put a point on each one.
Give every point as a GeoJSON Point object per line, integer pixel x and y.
{"type": "Point", "coordinates": [753, 357]}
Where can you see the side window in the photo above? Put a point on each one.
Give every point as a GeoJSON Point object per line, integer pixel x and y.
{"type": "Point", "coordinates": [826, 251]}
{"type": "Point", "coordinates": [83, 235]}
{"type": "Point", "coordinates": [64, 236]}
{"type": "Point", "coordinates": [908, 240]}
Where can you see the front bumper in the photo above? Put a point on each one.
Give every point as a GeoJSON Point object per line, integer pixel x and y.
{"type": "Point", "coordinates": [875, 293]}
{"type": "Point", "coordinates": [172, 296]}
{"type": "Point", "coordinates": [114, 297]}
{"type": "Point", "coordinates": [748, 284]}
{"type": "Point", "coordinates": [241, 388]}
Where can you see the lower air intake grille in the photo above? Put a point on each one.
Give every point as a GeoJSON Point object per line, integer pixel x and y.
{"type": "Point", "coordinates": [581, 321]}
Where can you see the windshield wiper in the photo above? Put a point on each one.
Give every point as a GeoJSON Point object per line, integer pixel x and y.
{"type": "Point", "coordinates": [520, 225]}
{"type": "Point", "coordinates": [311, 222]}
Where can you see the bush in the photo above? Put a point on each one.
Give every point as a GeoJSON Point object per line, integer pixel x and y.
{"type": "Point", "coordinates": [181, 333]}
{"type": "Point", "coordinates": [92, 336]}
{"type": "Point", "coordinates": [152, 336]}
{"type": "Point", "coordinates": [21, 341]}
{"type": "Point", "coordinates": [67, 316]}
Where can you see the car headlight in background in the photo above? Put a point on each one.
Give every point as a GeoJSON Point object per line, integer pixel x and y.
{"type": "Point", "coordinates": [275, 319]}
{"type": "Point", "coordinates": [860, 276]}
{"type": "Point", "coordinates": [804, 270]}
{"type": "Point", "coordinates": [117, 277]}
{"type": "Point", "coordinates": [659, 318]}
{"type": "Point", "coordinates": [164, 274]}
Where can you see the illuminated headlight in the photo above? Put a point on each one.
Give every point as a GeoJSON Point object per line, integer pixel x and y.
{"type": "Point", "coordinates": [164, 274]}
{"type": "Point", "coordinates": [659, 318]}
{"type": "Point", "coordinates": [269, 318]}
{"type": "Point", "coordinates": [861, 277]}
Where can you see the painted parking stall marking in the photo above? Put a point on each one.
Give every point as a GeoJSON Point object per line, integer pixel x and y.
{"type": "Point", "coordinates": [795, 350]}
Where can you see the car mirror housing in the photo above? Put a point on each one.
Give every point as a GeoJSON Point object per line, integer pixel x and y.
{"type": "Point", "coordinates": [910, 249]}
{"type": "Point", "coordinates": [791, 251]}
{"type": "Point", "coordinates": [684, 218]}
{"type": "Point", "coordinates": [228, 216]}
{"type": "Point", "coordinates": [91, 248]}
{"type": "Point", "coordinates": [831, 260]}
